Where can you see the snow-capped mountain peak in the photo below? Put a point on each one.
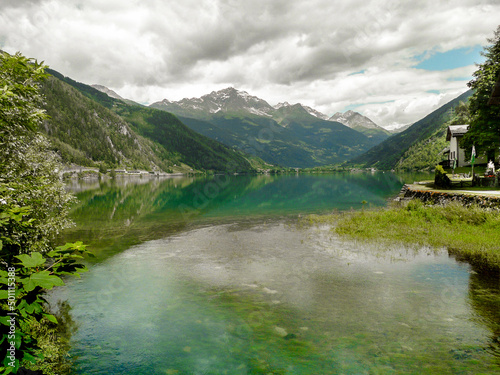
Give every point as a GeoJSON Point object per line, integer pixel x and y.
{"type": "Point", "coordinates": [225, 100]}
{"type": "Point", "coordinates": [315, 113]}
{"type": "Point", "coordinates": [281, 105]}
{"type": "Point", "coordinates": [354, 120]}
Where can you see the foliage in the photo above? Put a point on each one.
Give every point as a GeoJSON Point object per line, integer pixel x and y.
{"type": "Point", "coordinates": [441, 180]}
{"type": "Point", "coordinates": [23, 285]}
{"type": "Point", "coordinates": [30, 178]}
{"type": "Point", "coordinates": [53, 341]}
{"type": "Point", "coordinates": [33, 210]}
{"type": "Point", "coordinates": [19, 98]}
{"type": "Point", "coordinates": [484, 130]}
{"type": "Point", "coordinates": [28, 170]}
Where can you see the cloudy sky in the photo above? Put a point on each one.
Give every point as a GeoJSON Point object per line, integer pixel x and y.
{"type": "Point", "coordinates": [391, 60]}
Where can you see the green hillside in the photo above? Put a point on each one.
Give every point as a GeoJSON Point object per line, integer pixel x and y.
{"type": "Point", "coordinates": [84, 132]}
{"type": "Point", "coordinates": [88, 127]}
{"type": "Point", "coordinates": [197, 150]}
{"type": "Point", "coordinates": [423, 136]}
{"type": "Point", "coordinates": [425, 154]}
{"type": "Point", "coordinates": [306, 143]}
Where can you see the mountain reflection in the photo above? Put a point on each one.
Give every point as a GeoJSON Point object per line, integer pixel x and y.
{"type": "Point", "coordinates": [114, 215]}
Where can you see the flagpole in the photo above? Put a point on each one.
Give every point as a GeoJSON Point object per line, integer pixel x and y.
{"type": "Point", "coordinates": [472, 160]}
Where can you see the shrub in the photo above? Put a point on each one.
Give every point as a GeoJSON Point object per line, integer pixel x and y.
{"type": "Point", "coordinates": [441, 180]}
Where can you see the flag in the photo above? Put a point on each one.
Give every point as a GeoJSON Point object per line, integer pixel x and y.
{"type": "Point", "coordinates": [454, 164]}
{"type": "Point", "coordinates": [473, 155]}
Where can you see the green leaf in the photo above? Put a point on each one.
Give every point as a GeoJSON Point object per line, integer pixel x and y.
{"type": "Point", "coordinates": [34, 307]}
{"type": "Point", "coordinates": [17, 340]}
{"type": "Point", "coordinates": [4, 294]}
{"type": "Point", "coordinates": [33, 260]}
{"type": "Point", "coordinates": [30, 358]}
{"type": "Point", "coordinates": [42, 279]}
{"type": "Point", "coordinates": [8, 369]}
{"type": "Point", "coordinates": [70, 247]}
{"type": "Point", "coordinates": [50, 318]}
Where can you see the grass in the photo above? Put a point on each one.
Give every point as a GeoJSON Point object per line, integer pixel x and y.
{"type": "Point", "coordinates": [470, 233]}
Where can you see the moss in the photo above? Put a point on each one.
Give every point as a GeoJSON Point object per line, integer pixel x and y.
{"type": "Point", "coordinates": [54, 342]}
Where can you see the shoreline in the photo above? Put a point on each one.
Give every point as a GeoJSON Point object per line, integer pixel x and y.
{"type": "Point", "coordinates": [489, 199]}
{"type": "Point", "coordinates": [465, 224]}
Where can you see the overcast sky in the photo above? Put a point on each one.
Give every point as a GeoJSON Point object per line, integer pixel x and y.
{"type": "Point", "coordinates": [393, 61]}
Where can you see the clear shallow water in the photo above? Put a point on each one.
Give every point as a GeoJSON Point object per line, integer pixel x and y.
{"type": "Point", "coordinates": [258, 294]}
{"type": "Point", "coordinates": [112, 217]}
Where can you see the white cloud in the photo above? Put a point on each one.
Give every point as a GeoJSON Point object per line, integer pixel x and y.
{"type": "Point", "coordinates": [298, 51]}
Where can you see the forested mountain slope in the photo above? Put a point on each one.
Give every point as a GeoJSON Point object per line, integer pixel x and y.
{"type": "Point", "coordinates": [289, 135]}
{"type": "Point", "coordinates": [388, 154]}
{"type": "Point", "coordinates": [87, 127]}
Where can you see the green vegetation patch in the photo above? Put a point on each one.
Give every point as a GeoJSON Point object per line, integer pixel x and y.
{"type": "Point", "coordinates": [471, 233]}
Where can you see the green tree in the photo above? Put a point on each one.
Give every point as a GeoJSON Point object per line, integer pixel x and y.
{"type": "Point", "coordinates": [33, 210]}
{"type": "Point", "coordinates": [460, 114]}
{"type": "Point", "coordinates": [29, 171]}
{"type": "Point", "coordinates": [484, 129]}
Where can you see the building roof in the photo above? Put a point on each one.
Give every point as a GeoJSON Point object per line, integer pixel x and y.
{"type": "Point", "coordinates": [456, 131]}
{"type": "Point", "coordinates": [495, 94]}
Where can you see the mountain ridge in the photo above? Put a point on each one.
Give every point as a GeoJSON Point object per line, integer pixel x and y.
{"type": "Point", "coordinates": [361, 123]}
{"type": "Point", "coordinates": [90, 127]}
{"type": "Point", "coordinates": [300, 136]}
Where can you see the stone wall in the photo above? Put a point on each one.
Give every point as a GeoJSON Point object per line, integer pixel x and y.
{"type": "Point", "coordinates": [442, 198]}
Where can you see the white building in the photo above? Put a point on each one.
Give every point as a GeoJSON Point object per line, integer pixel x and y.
{"type": "Point", "coordinates": [454, 135]}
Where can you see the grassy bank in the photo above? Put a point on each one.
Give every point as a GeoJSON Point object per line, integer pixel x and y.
{"type": "Point", "coordinates": [472, 234]}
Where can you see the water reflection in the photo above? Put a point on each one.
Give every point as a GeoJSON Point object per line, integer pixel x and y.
{"type": "Point", "coordinates": [114, 215]}
{"type": "Point", "coordinates": [274, 298]}
{"type": "Point", "coordinates": [211, 276]}
{"type": "Point", "coordinates": [484, 296]}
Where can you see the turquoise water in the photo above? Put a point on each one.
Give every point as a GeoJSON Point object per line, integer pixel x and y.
{"type": "Point", "coordinates": [115, 215]}
{"type": "Point", "coordinates": [235, 286]}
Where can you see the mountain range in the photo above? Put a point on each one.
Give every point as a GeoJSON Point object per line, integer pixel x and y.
{"type": "Point", "coordinates": [291, 135]}
{"type": "Point", "coordinates": [226, 130]}
{"type": "Point", "coordinates": [88, 127]}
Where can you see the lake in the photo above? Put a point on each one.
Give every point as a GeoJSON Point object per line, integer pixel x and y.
{"type": "Point", "coordinates": [217, 276]}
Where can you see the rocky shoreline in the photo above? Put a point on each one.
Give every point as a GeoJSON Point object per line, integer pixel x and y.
{"type": "Point", "coordinates": [431, 196]}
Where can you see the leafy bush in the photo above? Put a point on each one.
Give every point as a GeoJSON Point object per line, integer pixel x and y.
{"type": "Point", "coordinates": [441, 180]}
{"type": "Point", "coordinates": [33, 210]}
{"type": "Point", "coordinates": [22, 288]}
